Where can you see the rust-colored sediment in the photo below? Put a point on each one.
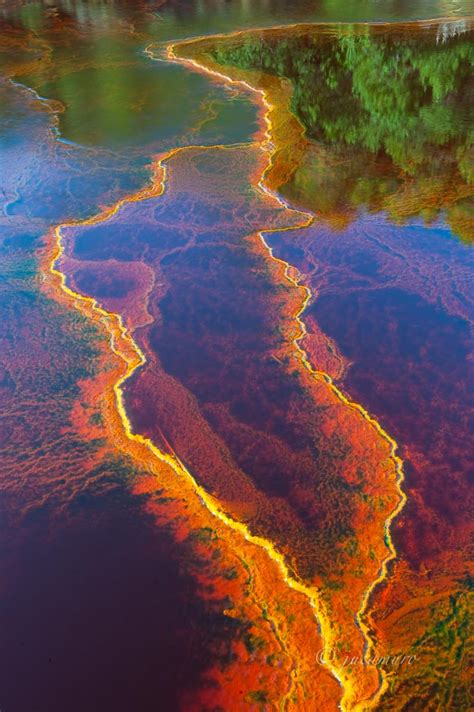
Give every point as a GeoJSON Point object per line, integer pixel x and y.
{"type": "Point", "coordinates": [283, 616]}
{"type": "Point", "coordinates": [275, 589]}
{"type": "Point", "coordinates": [423, 609]}
{"type": "Point", "coordinates": [285, 141]}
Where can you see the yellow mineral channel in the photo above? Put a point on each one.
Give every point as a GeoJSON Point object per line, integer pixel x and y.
{"type": "Point", "coordinates": [124, 346]}
{"type": "Point", "coordinates": [348, 701]}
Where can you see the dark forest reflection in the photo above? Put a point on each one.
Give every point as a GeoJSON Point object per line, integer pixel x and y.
{"type": "Point", "coordinates": [387, 112]}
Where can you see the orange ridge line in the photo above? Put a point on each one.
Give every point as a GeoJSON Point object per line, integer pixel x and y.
{"type": "Point", "coordinates": [321, 375]}
{"type": "Point", "coordinates": [124, 346]}
{"type": "Point", "coordinates": [134, 359]}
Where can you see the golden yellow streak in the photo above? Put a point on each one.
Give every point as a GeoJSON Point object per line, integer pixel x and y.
{"type": "Point", "coordinates": [308, 219]}
{"type": "Point", "coordinates": [124, 346]}
{"type": "Point", "coordinates": [398, 462]}
{"type": "Point", "coordinates": [322, 375]}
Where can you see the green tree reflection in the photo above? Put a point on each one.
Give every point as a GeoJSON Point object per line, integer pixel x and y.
{"type": "Point", "coordinates": [387, 111]}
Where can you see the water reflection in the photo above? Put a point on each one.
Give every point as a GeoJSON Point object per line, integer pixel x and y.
{"type": "Point", "coordinates": [387, 115]}
{"type": "Point", "coordinates": [184, 18]}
